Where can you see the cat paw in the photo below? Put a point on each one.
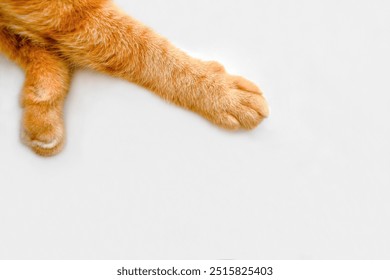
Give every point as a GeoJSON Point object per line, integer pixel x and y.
{"type": "Point", "coordinates": [43, 130]}
{"type": "Point", "coordinates": [241, 105]}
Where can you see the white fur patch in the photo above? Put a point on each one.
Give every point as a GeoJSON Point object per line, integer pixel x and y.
{"type": "Point", "coordinates": [44, 145]}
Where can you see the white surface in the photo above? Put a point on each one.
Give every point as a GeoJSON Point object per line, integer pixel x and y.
{"type": "Point", "coordinates": [141, 179]}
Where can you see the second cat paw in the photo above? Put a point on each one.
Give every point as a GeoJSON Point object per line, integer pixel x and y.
{"type": "Point", "coordinates": [43, 130]}
{"type": "Point", "coordinates": [239, 104]}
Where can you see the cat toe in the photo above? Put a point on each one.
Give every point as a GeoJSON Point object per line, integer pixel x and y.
{"type": "Point", "coordinates": [43, 146]}
{"type": "Point", "coordinates": [46, 149]}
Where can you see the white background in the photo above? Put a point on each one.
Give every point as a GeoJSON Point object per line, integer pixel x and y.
{"type": "Point", "coordinates": [141, 179]}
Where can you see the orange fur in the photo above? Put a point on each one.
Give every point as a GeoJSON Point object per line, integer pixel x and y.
{"type": "Point", "coordinates": [51, 38]}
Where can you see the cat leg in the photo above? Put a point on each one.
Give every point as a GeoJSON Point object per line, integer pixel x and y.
{"type": "Point", "coordinates": [46, 85]}
{"type": "Point", "coordinates": [116, 44]}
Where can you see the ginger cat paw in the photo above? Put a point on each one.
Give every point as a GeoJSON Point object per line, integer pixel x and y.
{"type": "Point", "coordinates": [241, 104]}
{"type": "Point", "coordinates": [43, 130]}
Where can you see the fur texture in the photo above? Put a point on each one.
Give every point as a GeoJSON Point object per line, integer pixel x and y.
{"type": "Point", "coordinates": [51, 38]}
